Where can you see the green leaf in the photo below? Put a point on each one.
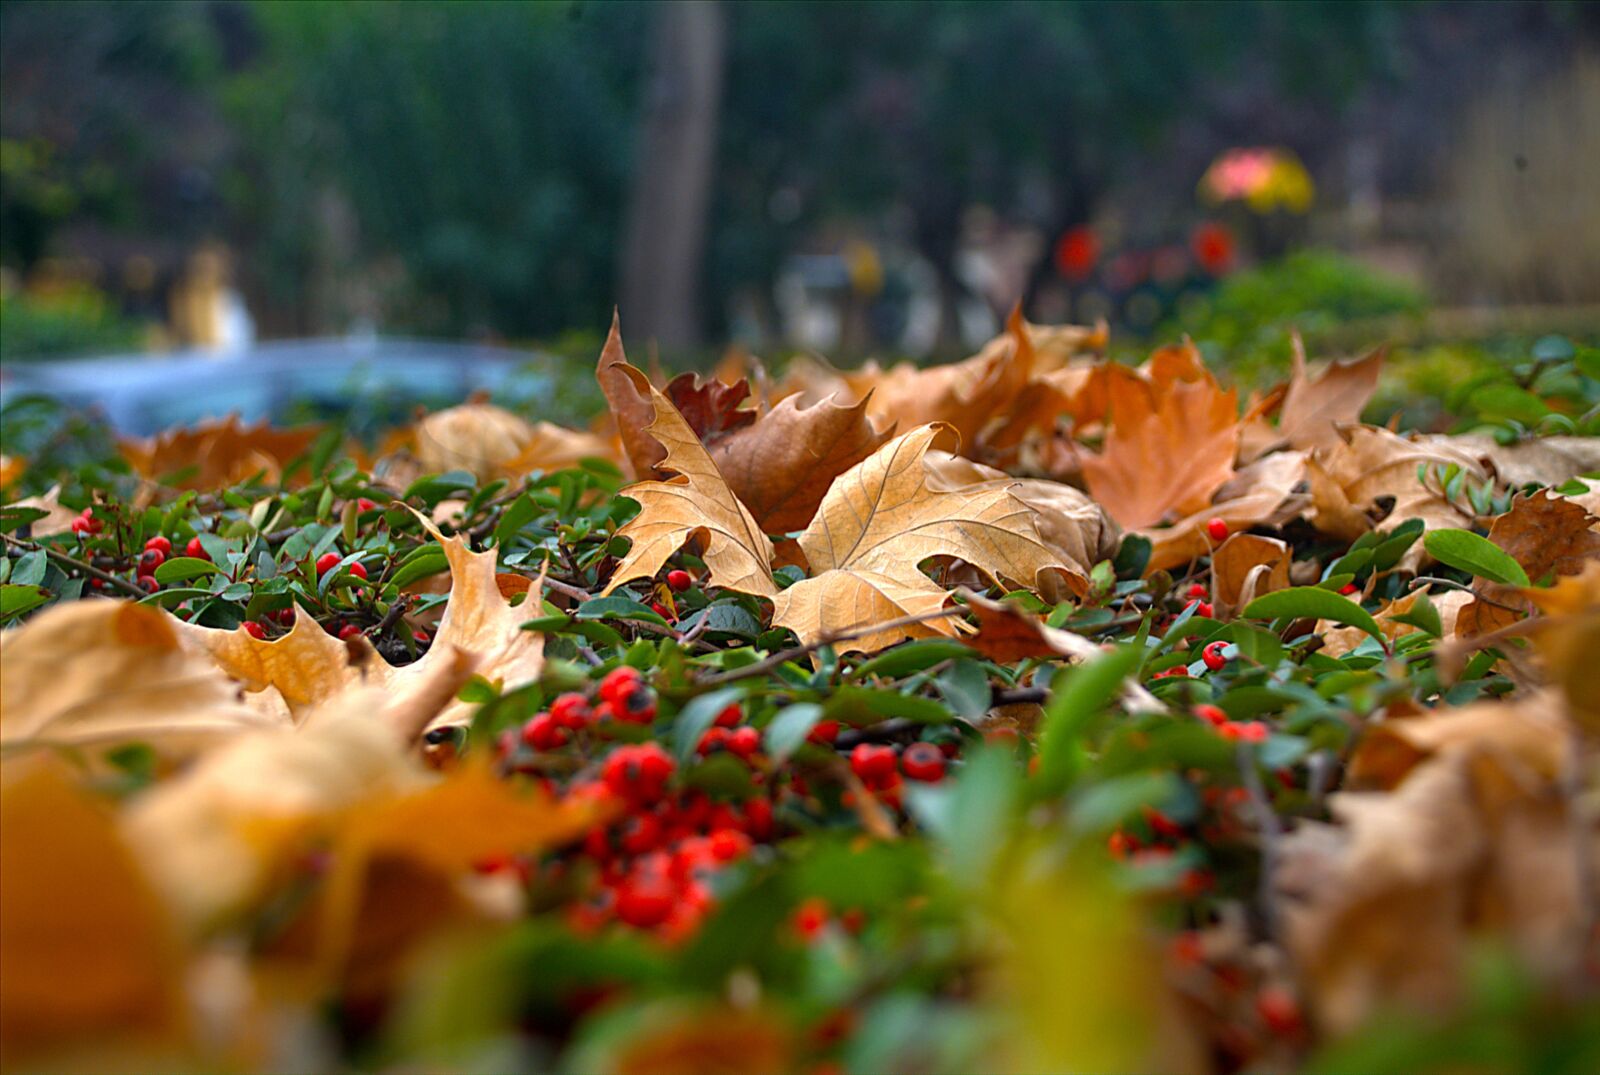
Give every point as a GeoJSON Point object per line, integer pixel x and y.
{"type": "Point", "coordinates": [1313, 602]}
{"type": "Point", "coordinates": [617, 608]}
{"type": "Point", "coordinates": [1509, 401]}
{"type": "Point", "coordinates": [965, 686]}
{"type": "Point", "coordinates": [695, 718]}
{"type": "Point", "coordinates": [421, 562]}
{"type": "Point", "coordinates": [1467, 551]}
{"type": "Point", "coordinates": [863, 705]}
{"type": "Point", "coordinates": [1423, 614]}
{"type": "Point", "coordinates": [15, 600]}
{"type": "Point", "coordinates": [184, 568]}
{"type": "Point", "coordinates": [911, 657]}
{"type": "Point", "coordinates": [1077, 696]}
{"type": "Point", "coordinates": [789, 729]}
{"type": "Point", "coordinates": [16, 517]}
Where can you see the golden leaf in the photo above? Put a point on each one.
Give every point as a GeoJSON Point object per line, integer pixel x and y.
{"type": "Point", "coordinates": [216, 452]}
{"type": "Point", "coordinates": [86, 950]}
{"type": "Point", "coordinates": [631, 405]}
{"type": "Point", "coordinates": [1546, 535]}
{"type": "Point", "coordinates": [57, 520]}
{"type": "Point", "coordinates": [494, 443]}
{"type": "Point", "coordinates": [1171, 444]}
{"type": "Point", "coordinates": [99, 673]}
{"type": "Point", "coordinates": [1244, 567]}
{"type": "Point", "coordinates": [880, 520]}
{"type": "Point", "coordinates": [307, 667]}
{"type": "Point", "coordinates": [1313, 409]}
{"type": "Point", "coordinates": [781, 466]}
{"type": "Point", "coordinates": [738, 556]}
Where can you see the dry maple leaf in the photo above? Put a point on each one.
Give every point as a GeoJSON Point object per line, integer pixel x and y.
{"type": "Point", "coordinates": [781, 466]}
{"type": "Point", "coordinates": [87, 951]}
{"type": "Point", "coordinates": [494, 443]}
{"type": "Point", "coordinates": [1244, 567]}
{"type": "Point", "coordinates": [1473, 837]}
{"type": "Point", "coordinates": [307, 667]}
{"type": "Point", "coordinates": [99, 673]}
{"type": "Point", "coordinates": [1269, 491]}
{"type": "Point", "coordinates": [738, 556]}
{"type": "Point", "coordinates": [1314, 408]}
{"type": "Point", "coordinates": [879, 521]}
{"type": "Point", "coordinates": [711, 407]}
{"type": "Point", "coordinates": [216, 453]}
{"type": "Point", "coordinates": [1373, 472]}
{"type": "Point", "coordinates": [1547, 536]}
{"type": "Point", "coordinates": [630, 404]}
{"type": "Point", "coordinates": [1171, 444]}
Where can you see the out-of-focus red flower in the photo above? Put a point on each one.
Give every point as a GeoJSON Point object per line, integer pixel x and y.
{"type": "Point", "coordinates": [1077, 252]}
{"type": "Point", "coordinates": [1213, 248]}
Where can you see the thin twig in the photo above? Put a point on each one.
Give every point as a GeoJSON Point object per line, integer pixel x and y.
{"type": "Point", "coordinates": [1429, 580]}
{"type": "Point", "coordinates": [767, 664]}
{"type": "Point", "coordinates": [77, 565]}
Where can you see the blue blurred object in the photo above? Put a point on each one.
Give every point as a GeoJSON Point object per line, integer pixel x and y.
{"type": "Point", "coordinates": [362, 378]}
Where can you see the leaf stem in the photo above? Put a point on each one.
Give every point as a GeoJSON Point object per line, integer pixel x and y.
{"type": "Point", "coordinates": [77, 565]}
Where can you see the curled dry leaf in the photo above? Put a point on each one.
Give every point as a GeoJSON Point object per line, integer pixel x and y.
{"type": "Point", "coordinates": [1337, 641]}
{"type": "Point", "coordinates": [1269, 491]}
{"type": "Point", "coordinates": [1372, 473]}
{"type": "Point", "coordinates": [494, 443]}
{"type": "Point", "coordinates": [1472, 835]}
{"type": "Point", "coordinates": [216, 453]}
{"type": "Point", "coordinates": [630, 403]}
{"type": "Point", "coordinates": [1538, 461]}
{"type": "Point", "coordinates": [880, 520]}
{"type": "Point", "coordinates": [738, 556]}
{"type": "Point", "coordinates": [781, 466]}
{"type": "Point", "coordinates": [1171, 444]}
{"type": "Point", "coordinates": [106, 672]}
{"type": "Point", "coordinates": [1548, 536]}
{"type": "Point", "coordinates": [1314, 408]}
{"type": "Point", "coordinates": [87, 951]}
{"type": "Point", "coordinates": [1246, 566]}
{"type": "Point", "coordinates": [308, 667]}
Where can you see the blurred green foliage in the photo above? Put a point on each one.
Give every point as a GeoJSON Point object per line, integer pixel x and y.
{"type": "Point", "coordinates": [74, 319]}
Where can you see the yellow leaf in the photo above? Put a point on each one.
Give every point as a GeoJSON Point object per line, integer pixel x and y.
{"type": "Point", "coordinates": [880, 520]}
{"type": "Point", "coordinates": [738, 556]}
{"type": "Point", "coordinates": [494, 443]}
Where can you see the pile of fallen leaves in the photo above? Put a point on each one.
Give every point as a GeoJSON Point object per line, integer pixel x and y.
{"type": "Point", "coordinates": [1032, 712]}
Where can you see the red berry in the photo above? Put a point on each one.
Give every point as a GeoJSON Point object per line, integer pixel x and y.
{"type": "Point", "coordinates": [639, 773]}
{"type": "Point", "coordinates": [543, 733]}
{"type": "Point", "coordinates": [1217, 529]}
{"type": "Point", "coordinates": [728, 845]}
{"type": "Point", "coordinates": [811, 917]}
{"type": "Point", "coordinates": [196, 550]}
{"type": "Point", "coordinates": [363, 504]}
{"type": "Point", "coordinates": [1197, 590]}
{"type": "Point", "coordinates": [618, 683]}
{"type": "Point", "coordinates": [1121, 845]}
{"type": "Point", "coordinates": [82, 525]}
{"type": "Point", "coordinates": [254, 629]}
{"type": "Point", "coordinates": [645, 899]}
{"type": "Point", "coordinates": [730, 716]}
{"type": "Point", "coordinates": [824, 732]}
{"type": "Point", "coordinates": [1204, 609]}
{"type": "Point", "coordinates": [571, 710]}
{"type": "Point", "coordinates": [1162, 825]}
{"type": "Point", "coordinates": [715, 738]}
{"type": "Point", "coordinates": [327, 562]}
{"type": "Point", "coordinates": [1213, 657]}
{"type": "Point", "coordinates": [349, 631]}
{"type": "Point", "coordinates": [1349, 588]}
{"type": "Point", "coordinates": [679, 580]}
{"type": "Point", "coordinates": [641, 833]}
{"type": "Point", "coordinates": [1278, 1010]}
{"type": "Point", "coordinates": [638, 706]}
{"type": "Point", "coordinates": [150, 560]}
{"type": "Point", "coordinates": [159, 544]}
{"type": "Point", "coordinates": [357, 570]}
{"type": "Point", "coordinates": [1248, 731]}
{"type": "Point", "coordinates": [1211, 714]}
{"type": "Point", "coordinates": [147, 583]}
{"type": "Point", "coordinates": [872, 763]}
{"type": "Point", "coordinates": [661, 610]}
{"type": "Point", "coordinates": [758, 818]}
{"type": "Point", "coordinates": [924, 762]}
{"type": "Point", "coordinates": [744, 741]}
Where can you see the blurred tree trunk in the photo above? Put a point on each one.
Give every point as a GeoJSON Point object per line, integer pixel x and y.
{"type": "Point", "coordinates": [665, 231]}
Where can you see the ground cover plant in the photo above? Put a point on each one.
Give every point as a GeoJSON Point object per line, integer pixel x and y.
{"type": "Point", "coordinates": [1034, 712]}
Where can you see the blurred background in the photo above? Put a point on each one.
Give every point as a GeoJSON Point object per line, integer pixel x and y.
{"type": "Point", "coordinates": [847, 178]}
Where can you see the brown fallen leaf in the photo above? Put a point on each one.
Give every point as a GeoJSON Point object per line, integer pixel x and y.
{"type": "Point", "coordinates": [1267, 492]}
{"type": "Point", "coordinates": [1568, 639]}
{"type": "Point", "coordinates": [216, 453]}
{"type": "Point", "coordinates": [711, 408]}
{"type": "Point", "coordinates": [308, 667]}
{"type": "Point", "coordinates": [1471, 837]}
{"type": "Point", "coordinates": [1314, 408]}
{"type": "Point", "coordinates": [781, 466]}
{"type": "Point", "coordinates": [1538, 461]}
{"type": "Point", "coordinates": [1171, 445]}
{"type": "Point", "coordinates": [58, 519]}
{"type": "Point", "coordinates": [880, 520]}
{"type": "Point", "coordinates": [630, 404]}
{"type": "Point", "coordinates": [1244, 567]}
{"type": "Point", "coordinates": [1373, 472]}
{"type": "Point", "coordinates": [677, 1037]}
{"type": "Point", "coordinates": [88, 954]}
{"type": "Point", "coordinates": [494, 443]}
{"type": "Point", "coordinates": [1548, 536]}
{"type": "Point", "coordinates": [738, 556]}
{"type": "Point", "coordinates": [1337, 641]}
{"type": "Point", "coordinates": [101, 673]}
